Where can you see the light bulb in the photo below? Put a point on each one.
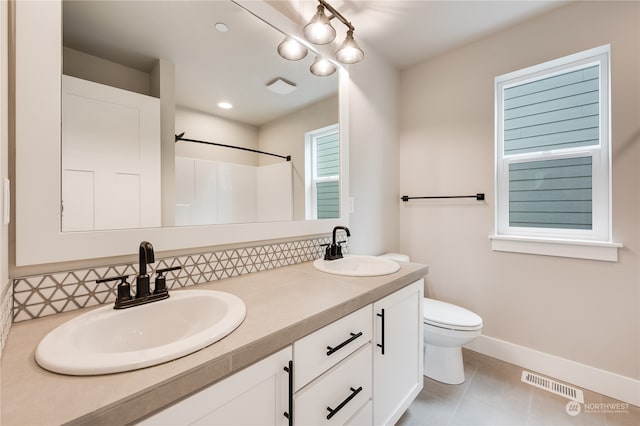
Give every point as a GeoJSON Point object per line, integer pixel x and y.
{"type": "Point", "coordinates": [319, 30]}
{"type": "Point", "coordinates": [291, 49]}
{"type": "Point", "coordinates": [322, 67]}
{"type": "Point", "coordinates": [349, 52]}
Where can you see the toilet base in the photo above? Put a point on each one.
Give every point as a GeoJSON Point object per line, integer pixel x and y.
{"type": "Point", "coordinates": [444, 364]}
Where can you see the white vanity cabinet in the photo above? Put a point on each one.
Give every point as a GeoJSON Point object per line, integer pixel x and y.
{"type": "Point", "coordinates": [363, 369]}
{"type": "Point", "coordinates": [397, 355]}
{"type": "Point", "coordinates": [257, 395]}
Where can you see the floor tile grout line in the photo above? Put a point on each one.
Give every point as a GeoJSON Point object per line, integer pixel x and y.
{"type": "Point", "coordinates": [455, 410]}
{"type": "Point", "coordinates": [528, 417]}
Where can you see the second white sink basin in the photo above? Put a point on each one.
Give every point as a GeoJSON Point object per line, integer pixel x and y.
{"type": "Point", "coordinates": [107, 340]}
{"type": "Point", "coordinates": [358, 266]}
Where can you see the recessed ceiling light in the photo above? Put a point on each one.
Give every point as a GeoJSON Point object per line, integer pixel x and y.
{"type": "Point", "coordinates": [222, 27]}
{"type": "Point", "coordinates": [225, 105]}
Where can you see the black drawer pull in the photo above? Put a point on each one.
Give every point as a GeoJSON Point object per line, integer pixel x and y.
{"type": "Point", "coordinates": [333, 412]}
{"type": "Point", "coordinates": [381, 345]}
{"type": "Point", "coordinates": [289, 414]}
{"type": "Point", "coordinates": [353, 337]}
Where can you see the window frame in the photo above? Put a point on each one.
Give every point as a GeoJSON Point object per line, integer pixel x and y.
{"type": "Point", "coordinates": [522, 239]}
{"type": "Point", "coordinates": [311, 175]}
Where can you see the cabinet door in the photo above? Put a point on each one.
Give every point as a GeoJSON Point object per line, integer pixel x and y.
{"type": "Point", "coordinates": [257, 395]}
{"type": "Point", "coordinates": [397, 360]}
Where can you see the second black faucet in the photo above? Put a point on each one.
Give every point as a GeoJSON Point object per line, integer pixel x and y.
{"type": "Point", "coordinates": [334, 250]}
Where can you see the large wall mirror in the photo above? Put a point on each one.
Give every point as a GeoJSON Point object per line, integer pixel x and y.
{"type": "Point", "coordinates": [206, 70]}
{"type": "Point", "coordinates": [124, 92]}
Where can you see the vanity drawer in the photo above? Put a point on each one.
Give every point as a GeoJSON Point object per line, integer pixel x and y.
{"type": "Point", "coordinates": [345, 389]}
{"type": "Point", "coordinates": [316, 353]}
{"type": "Point", "coordinates": [364, 417]}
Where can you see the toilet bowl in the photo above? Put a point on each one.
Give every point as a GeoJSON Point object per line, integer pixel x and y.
{"type": "Point", "coordinates": [447, 328]}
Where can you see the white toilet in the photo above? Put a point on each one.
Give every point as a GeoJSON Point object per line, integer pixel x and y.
{"type": "Point", "coordinates": [446, 328]}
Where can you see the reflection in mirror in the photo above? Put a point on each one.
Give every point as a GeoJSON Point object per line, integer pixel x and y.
{"type": "Point", "coordinates": [138, 73]}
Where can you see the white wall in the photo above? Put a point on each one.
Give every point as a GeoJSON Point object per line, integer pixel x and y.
{"type": "Point", "coordinates": [580, 310]}
{"type": "Point", "coordinates": [373, 155]}
{"type": "Point", "coordinates": [206, 127]}
{"type": "Point", "coordinates": [88, 67]}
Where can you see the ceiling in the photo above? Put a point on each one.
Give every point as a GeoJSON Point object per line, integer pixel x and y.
{"type": "Point", "coordinates": [406, 32]}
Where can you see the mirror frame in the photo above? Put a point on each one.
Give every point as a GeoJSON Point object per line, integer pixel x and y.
{"type": "Point", "coordinates": [39, 240]}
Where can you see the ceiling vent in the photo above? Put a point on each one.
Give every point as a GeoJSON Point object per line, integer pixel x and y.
{"type": "Point", "coordinates": [281, 86]}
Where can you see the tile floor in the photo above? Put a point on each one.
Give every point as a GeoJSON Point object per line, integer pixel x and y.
{"type": "Point", "coordinates": [494, 395]}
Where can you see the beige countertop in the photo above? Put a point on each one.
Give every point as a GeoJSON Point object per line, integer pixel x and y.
{"type": "Point", "coordinates": [283, 305]}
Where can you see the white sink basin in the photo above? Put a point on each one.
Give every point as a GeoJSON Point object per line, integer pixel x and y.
{"type": "Point", "coordinates": [107, 340]}
{"type": "Point", "coordinates": [357, 266]}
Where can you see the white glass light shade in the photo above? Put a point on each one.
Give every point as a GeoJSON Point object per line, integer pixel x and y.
{"type": "Point", "coordinates": [349, 52]}
{"type": "Point", "coordinates": [322, 67]}
{"type": "Point", "coordinates": [291, 49]}
{"type": "Point", "coordinates": [319, 30]}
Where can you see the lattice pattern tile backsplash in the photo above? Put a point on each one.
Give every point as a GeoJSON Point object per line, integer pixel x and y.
{"type": "Point", "coordinates": [42, 295]}
{"type": "Point", "coordinates": [6, 298]}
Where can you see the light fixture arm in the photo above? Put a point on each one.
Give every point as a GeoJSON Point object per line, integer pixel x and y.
{"type": "Point", "coordinates": [336, 14]}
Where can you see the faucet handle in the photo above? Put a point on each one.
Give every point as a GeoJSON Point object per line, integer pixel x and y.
{"type": "Point", "coordinates": [161, 281]}
{"type": "Point", "coordinates": [124, 288]}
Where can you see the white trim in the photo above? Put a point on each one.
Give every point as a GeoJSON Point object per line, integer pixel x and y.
{"type": "Point", "coordinates": [601, 381]}
{"type": "Point", "coordinates": [579, 249]}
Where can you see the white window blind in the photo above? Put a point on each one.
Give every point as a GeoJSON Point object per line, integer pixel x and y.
{"type": "Point", "coordinates": [552, 149]}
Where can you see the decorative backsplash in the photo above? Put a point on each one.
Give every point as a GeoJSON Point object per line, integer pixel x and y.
{"type": "Point", "coordinates": [41, 295]}
{"type": "Point", "coordinates": [6, 298]}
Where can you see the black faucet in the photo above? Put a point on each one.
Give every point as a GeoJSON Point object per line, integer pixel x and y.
{"type": "Point", "coordinates": [334, 250]}
{"type": "Point", "coordinates": [143, 290]}
{"type": "Point", "coordinates": [145, 256]}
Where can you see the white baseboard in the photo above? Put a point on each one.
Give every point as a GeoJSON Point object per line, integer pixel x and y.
{"type": "Point", "coordinates": [604, 382]}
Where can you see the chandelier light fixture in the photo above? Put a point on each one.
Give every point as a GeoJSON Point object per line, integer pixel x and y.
{"type": "Point", "coordinates": [320, 31]}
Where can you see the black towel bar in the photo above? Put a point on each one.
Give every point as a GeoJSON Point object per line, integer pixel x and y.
{"type": "Point", "coordinates": [479, 197]}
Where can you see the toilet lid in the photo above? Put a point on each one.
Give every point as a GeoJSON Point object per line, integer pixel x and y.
{"type": "Point", "coordinates": [446, 315]}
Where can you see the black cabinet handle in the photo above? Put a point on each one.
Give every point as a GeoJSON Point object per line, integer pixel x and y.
{"type": "Point", "coordinates": [333, 412]}
{"type": "Point", "coordinates": [381, 344]}
{"type": "Point", "coordinates": [289, 414]}
{"type": "Point", "coordinates": [353, 337]}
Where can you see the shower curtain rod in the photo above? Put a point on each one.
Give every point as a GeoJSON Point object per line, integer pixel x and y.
{"type": "Point", "coordinates": [181, 138]}
{"type": "Point", "coordinates": [479, 197]}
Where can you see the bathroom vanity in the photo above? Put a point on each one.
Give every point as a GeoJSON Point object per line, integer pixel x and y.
{"type": "Point", "coordinates": [294, 313]}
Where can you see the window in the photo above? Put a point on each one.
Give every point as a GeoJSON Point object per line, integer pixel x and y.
{"type": "Point", "coordinates": [552, 154]}
{"type": "Point", "coordinates": [322, 150]}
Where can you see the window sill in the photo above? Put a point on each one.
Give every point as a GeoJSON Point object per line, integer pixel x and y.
{"type": "Point", "coordinates": [593, 250]}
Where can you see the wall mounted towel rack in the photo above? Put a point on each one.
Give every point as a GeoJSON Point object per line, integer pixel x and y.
{"type": "Point", "coordinates": [181, 137]}
{"type": "Point", "coordinates": [479, 197]}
